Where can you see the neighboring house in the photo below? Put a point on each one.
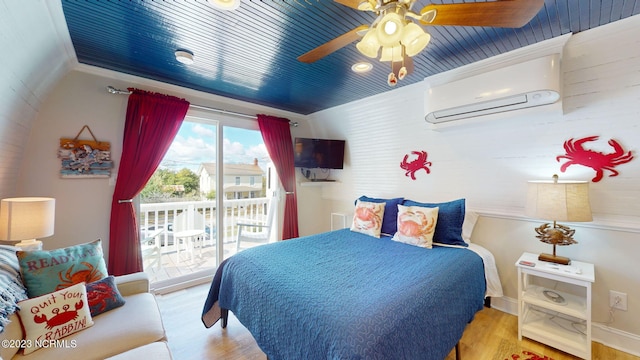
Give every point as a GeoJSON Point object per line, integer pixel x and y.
{"type": "Point", "coordinates": [241, 181]}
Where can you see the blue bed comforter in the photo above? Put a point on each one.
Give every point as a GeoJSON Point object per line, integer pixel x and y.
{"type": "Point", "coordinates": [345, 295]}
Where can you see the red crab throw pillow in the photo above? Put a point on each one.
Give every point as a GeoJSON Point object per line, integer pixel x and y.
{"type": "Point", "coordinates": [103, 295]}
{"type": "Point", "coordinates": [45, 271]}
{"type": "Point", "coordinates": [51, 317]}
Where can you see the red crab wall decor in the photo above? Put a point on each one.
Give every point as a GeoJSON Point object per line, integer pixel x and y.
{"type": "Point", "coordinates": [420, 163]}
{"type": "Point", "coordinates": [598, 161]}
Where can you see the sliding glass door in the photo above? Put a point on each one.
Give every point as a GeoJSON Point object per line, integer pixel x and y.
{"type": "Point", "coordinates": [215, 183]}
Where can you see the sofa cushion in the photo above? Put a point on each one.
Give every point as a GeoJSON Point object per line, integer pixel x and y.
{"type": "Point", "coordinates": [13, 333]}
{"type": "Point", "coordinates": [45, 271]}
{"type": "Point", "coordinates": [51, 317]}
{"type": "Point", "coordinates": [103, 295]}
{"type": "Point", "coordinates": [135, 324]}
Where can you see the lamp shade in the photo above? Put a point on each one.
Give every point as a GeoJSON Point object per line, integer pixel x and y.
{"type": "Point", "coordinates": [558, 201]}
{"type": "Point", "coordinates": [26, 218]}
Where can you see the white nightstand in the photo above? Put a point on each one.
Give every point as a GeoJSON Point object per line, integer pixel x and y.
{"type": "Point", "coordinates": [552, 322]}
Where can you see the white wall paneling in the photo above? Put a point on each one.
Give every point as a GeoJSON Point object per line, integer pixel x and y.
{"type": "Point", "coordinates": [489, 162]}
{"type": "Point", "coordinates": [37, 57]}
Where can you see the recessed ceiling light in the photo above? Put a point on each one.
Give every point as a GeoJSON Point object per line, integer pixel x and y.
{"type": "Point", "coordinates": [361, 67]}
{"type": "Point", "coordinates": [184, 56]}
{"type": "Point", "coordinates": [225, 4]}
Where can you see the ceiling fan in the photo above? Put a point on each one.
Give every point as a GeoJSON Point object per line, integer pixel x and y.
{"type": "Point", "coordinates": [396, 32]}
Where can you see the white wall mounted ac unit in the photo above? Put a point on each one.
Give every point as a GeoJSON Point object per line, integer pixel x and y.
{"type": "Point", "coordinates": [527, 84]}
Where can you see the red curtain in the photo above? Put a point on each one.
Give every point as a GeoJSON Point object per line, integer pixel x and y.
{"type": "Point", "coordinates": [152, 122]}
{"type": "Point", "coordinates": [276, 134]}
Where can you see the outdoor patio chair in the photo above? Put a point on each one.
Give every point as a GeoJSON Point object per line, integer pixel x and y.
{"type": "Point", "coordinates": [254, 230]}
{"type": "Point", "coordinates": [150, 248]}
{"type": "Point", "coordinates": [188, 229]}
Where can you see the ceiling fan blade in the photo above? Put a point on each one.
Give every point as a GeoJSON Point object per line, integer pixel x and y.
{"type": "Point", "coordinates": [349, 3]}
{"type": "Point", "coordinates": [332, 45]}
{"type": "Point", "coordinates": [503, 13]}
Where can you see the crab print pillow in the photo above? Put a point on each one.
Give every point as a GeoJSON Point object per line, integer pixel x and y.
{"type": "Point", "coordinates": [51, 317]}
{"type": "Point", "coordinates": [48, 271]}
{"type": "Point", "coordinates": [416, 225]}
{"type": "Point", "coordinates": [367, 218]}
{"type": "Point", "coordinates": [103, 295]}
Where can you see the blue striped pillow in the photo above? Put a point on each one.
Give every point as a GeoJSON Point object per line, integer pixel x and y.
{"type": "Point", "coordinates": [11, 288]}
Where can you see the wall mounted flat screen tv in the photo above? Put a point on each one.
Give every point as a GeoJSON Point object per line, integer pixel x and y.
{"type": "Point", "coordinates": [319, 153]}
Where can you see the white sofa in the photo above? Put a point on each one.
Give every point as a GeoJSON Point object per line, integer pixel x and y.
{"type": "Point", "coordinates": [126, 332]}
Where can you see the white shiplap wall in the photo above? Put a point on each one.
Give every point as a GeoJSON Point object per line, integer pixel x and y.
{"type": "Point", "coordinates": [35, 59]}
{"type": "Point", "coordinates": [489, 163]}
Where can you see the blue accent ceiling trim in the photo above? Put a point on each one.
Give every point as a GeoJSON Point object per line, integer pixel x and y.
{"type": "Point", "coordinates": [250, 54]}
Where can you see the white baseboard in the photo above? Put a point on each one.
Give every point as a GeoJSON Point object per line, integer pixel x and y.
{"type": "Point", "coordinates": [606, 335]}
{"type": "Point", "coordinates": [505, 304]}
{"type": "Point", "coordinates": [617, 339]}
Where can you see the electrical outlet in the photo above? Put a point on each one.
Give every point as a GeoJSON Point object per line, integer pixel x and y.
{"type": "Point", "coordinates": [620, 298]}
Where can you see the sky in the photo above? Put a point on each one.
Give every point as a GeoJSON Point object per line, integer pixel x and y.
{"type": "Point", "coordinates": [195, 143]}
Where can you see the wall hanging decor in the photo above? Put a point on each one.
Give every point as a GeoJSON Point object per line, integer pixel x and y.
{"type": "Point", "coordinates": [85, 158]}
{"type": "Point", "coordinates": [598, 161]}
{"type": "Point", "coordinates": [420, 163]}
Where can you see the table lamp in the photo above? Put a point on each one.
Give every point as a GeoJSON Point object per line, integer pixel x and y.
{"type": "Point", "coordinates": [25, 219]}
{"type": "Point", "coordinates": [557, 201]}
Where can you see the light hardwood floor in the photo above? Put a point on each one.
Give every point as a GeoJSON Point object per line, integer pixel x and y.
{"type": "Point", "coordinates": [492, 335]}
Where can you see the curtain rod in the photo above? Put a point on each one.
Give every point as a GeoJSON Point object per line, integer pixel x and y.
{"type": "Point", "coordinates": [115, 91]}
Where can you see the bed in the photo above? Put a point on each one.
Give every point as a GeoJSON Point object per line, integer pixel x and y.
{"type": "Point", "coordinates": [347, 295]}
{"type": "Point", "coordinates": [402, 283]}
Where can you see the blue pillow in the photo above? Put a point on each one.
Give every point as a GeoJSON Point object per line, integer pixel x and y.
{"type": "Point", "coordinates": [450, 219]}
{"type": "Point", "coordinates": [390, 217]}
{"type": "Point", "coordinates": [103, 295]}
{"type": "Point", "coordinates": [46, 271]}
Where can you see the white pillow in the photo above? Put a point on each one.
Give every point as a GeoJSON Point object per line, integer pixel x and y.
{"type": "Point", "coordinates": [367, 218]}
{"type": "Point", "coordinates": [53, 316]}
{"type": "Point", "coordinates": [416, 225]}
{"type": "Point", "coordinates": [470, 219]}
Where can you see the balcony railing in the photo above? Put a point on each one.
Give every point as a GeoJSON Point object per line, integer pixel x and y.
{"type": "Point", "coordinates": [165, 259]}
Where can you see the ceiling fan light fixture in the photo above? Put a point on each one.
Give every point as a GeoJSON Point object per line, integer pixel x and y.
{"type": "Point", "coordinates": [184, 56]}
{"type": "Point", "coordinates": [428, 16]}
{"type": "Point", "coordinates": [227, 5]}
{"type": "Point", "coordinates": [366, 5]}
{"type": "Point", "coordinates": [389, 30]}
{"type": "Point", "coordinates": [391, 53]}
{"type": "Point", "coordinates": [369, 44]}
{"type": "Point", "coordinates": [414, 39]}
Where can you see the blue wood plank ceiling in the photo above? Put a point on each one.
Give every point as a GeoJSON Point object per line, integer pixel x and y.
{"type": "Point", "coordinates": [250, 53]}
